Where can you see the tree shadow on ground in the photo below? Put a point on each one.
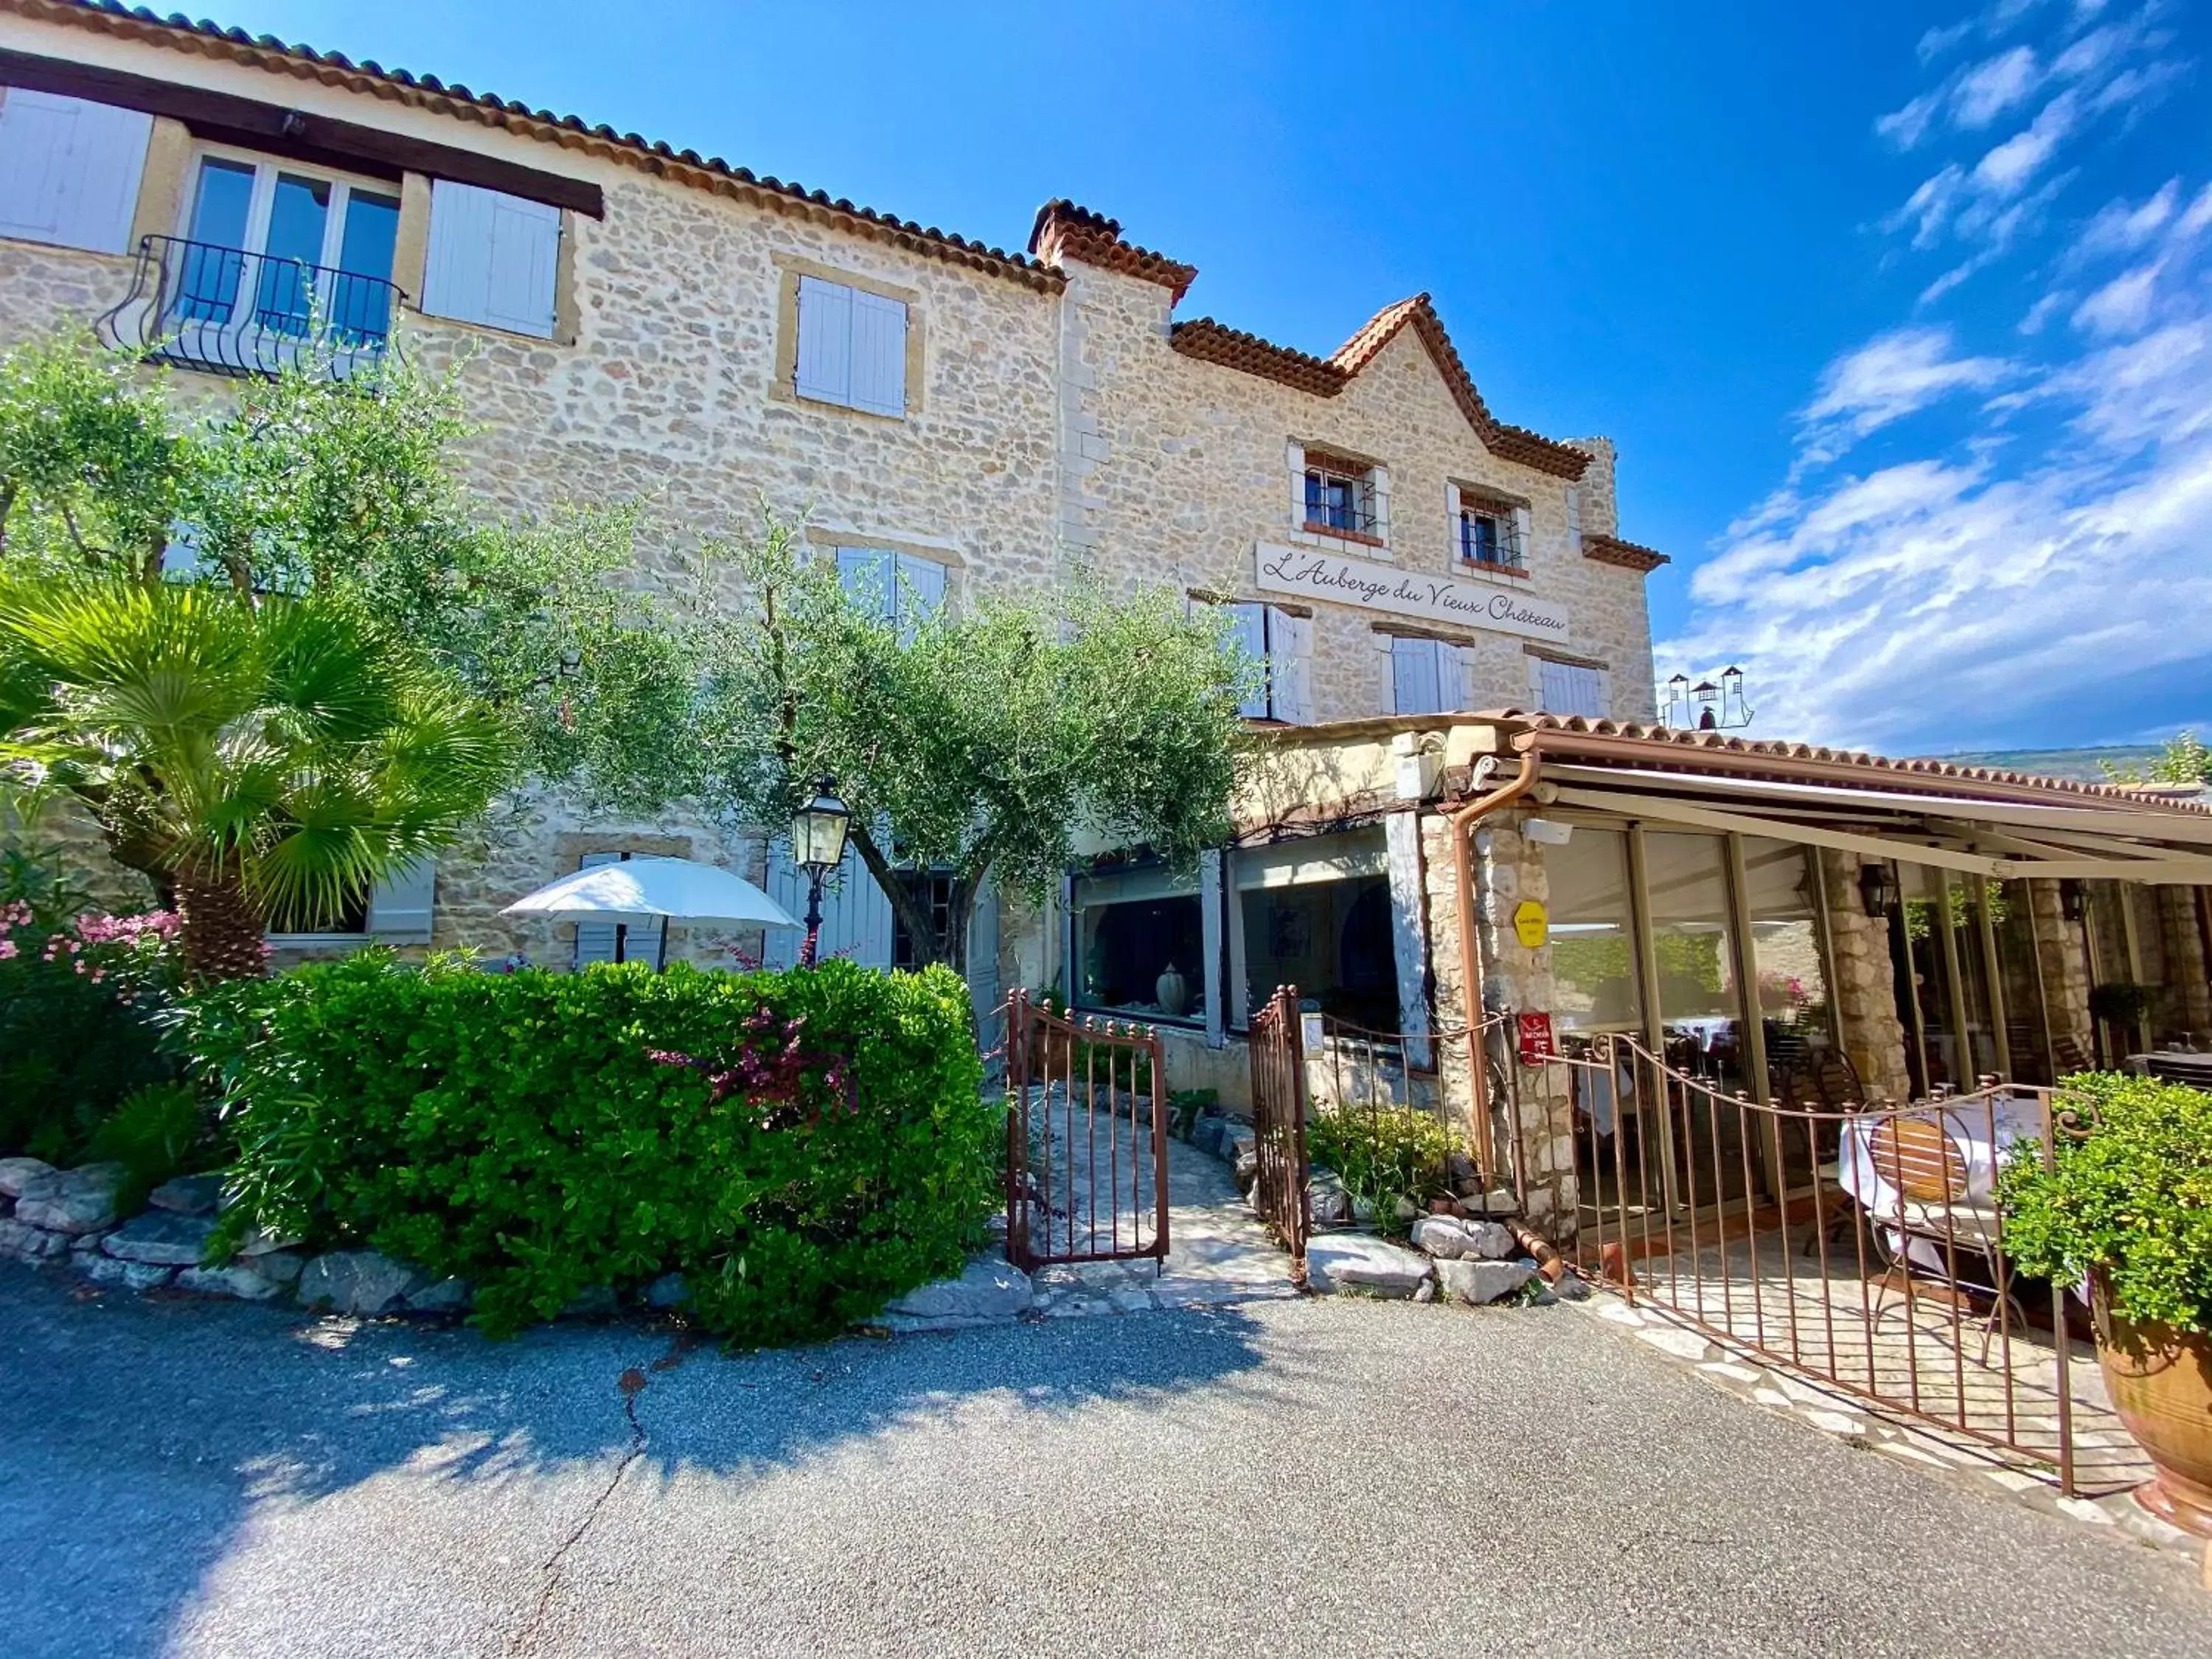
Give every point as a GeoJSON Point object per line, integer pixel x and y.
{"type": "Point", "coordinates": [142, 1436]}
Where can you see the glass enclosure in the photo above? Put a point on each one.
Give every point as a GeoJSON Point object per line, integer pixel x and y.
{"type": "Point", "coordinates": [1693, 948]}
{"type": "Point", "coordinates": [1140, 946]}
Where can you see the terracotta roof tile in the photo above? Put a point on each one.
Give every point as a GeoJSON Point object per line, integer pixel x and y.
{"type": "Point", "coordinates": [1064, 229]}
{"type": "Point", "coordinates": [1629, 555]}
{"type": "Point", "coordinates": [1665, 741]}
{"type": "Point", "coordinates": [427, 91]}
{"type": "Point", "coordinates": [1215, 343]}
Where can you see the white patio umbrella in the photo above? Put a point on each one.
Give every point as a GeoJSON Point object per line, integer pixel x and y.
{"type": "Point", "coordinates": [641, 890]}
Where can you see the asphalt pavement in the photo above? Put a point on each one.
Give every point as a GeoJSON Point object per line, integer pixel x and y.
{"type": "Point", "coordinates": [1340, 1476]}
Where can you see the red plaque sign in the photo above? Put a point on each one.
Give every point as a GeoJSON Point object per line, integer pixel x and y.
{"type": "Point", "coordinates": [1536, 1044]}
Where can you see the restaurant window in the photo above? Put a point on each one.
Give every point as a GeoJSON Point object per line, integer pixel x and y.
{"type": "Point", "coordinates": [1693, 948]}
{"type": "Point", "coordinates": [1428, 677]}
{"type": "Point", "coordinates": [1140, 946]}
{"type": "Point", "coordinates": [1789, 961]}
{"type": "Point", "coordinates": [1316, 913]}
{"type": "Point", "coordinates": [1593, 929]}
{"type": "Point", "coordinates": [1342, 497]}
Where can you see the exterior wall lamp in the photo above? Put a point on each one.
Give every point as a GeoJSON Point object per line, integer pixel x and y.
{"type": "Point", "coordinates": [1878, 889]}
{"type": "Point", "coordinates": [2072, 899]}
{"type": "Point", "coordinates": [817, 846]}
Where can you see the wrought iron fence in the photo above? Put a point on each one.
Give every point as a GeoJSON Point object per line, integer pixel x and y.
{"type": "Point", "coordinates": [1280, 1187]}
{"type": "Point", "coordinates": [1086, 1140]}
{"type": "Point", "coordinates": [1857, 1245]}
{"type": "Point", "coordinates": [229, 311]}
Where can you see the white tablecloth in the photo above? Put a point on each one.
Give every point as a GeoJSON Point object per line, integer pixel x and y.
{"type": "Point", "coordinates": [1982, 1134]}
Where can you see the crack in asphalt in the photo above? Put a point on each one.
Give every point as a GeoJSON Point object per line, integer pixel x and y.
{"type": "Point", "coordinates": [632, 1382]}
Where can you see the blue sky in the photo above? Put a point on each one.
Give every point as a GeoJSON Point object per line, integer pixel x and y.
{"type": "Point", "coordinates": [1899, 312]}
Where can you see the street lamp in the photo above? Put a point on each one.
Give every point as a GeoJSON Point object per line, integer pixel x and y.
{"type": "Point", "coordinates": [817, 846]}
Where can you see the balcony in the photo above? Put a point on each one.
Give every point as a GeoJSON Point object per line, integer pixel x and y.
{"type": "Point", "coordinates": [229, 311]}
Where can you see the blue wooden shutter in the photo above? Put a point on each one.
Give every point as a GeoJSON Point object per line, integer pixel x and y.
{"type": "Point", "coordinates": [1414, 673]}
{"type": "Point", "coordinates": [869, 576]}
{"type": "Point", "coordinates": [400, 906]}
{"type": "Point", "coordinates": [825, 340]}
{"type": "Point", "coordinates": [493, 258]}
{"type": "Point", "coordinates": [596, 941]}
{"type": "Point", "coordinates": [879, 353]}
{"type": "Point", "coordinates": [70, 170]}
{"type": "Point", "coordinates": [1249, 626]}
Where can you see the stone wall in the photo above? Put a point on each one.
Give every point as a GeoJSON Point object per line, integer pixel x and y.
{"type": "Point", "coordinates": [1173, 470]}
{"type": "Point", "coordinates": [1867, 1016]}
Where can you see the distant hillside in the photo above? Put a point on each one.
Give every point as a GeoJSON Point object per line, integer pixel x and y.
{"type": "Point", "coordinates": [2080, 765]}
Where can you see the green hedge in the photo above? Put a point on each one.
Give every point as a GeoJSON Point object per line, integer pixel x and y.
{"type": "Point", "coordinates": [514, 1130]}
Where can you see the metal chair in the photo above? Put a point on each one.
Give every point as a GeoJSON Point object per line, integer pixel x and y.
{"type": "Point", "coordinates": [1930, 1201]}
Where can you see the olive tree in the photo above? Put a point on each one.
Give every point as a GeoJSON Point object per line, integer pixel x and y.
{"type": "Point", "coordinates": [993, 741]}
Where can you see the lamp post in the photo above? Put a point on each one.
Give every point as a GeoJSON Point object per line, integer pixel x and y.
{"type": "Point", "coordinates": [817, 846]}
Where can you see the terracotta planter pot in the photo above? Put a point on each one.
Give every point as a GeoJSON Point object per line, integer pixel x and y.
{"type": "Point", "coordinates": [2161, 1380]}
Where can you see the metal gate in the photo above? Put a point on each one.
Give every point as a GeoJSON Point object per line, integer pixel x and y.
{"type": "Point", "coordinates": [1086, 1140]}
{"type": "Point", "coordinates": [1278, 1125]}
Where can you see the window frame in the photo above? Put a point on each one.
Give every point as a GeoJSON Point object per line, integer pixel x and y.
{"type": "Point", "coordinates": [792, 271]}
{"type": "Point", "coordinates": [267, 169]}
{"type": "Point", "coordinates": [1467, 505]}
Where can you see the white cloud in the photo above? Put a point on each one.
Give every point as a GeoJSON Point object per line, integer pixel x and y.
{"type": "Point", "coordinates": [1994, 86]}
{"type": "Point", "coordinates": [2122, 304]}
{"type": "Point", "coordinates": [2044, 308]}
{"type": "Point", "coordinates": [2005, 170]}
{"type": "Point", "coordinates": [2118, 227]}
{"type": "Point", "coordinates": [2199, 215]}
{"type": "Point", "coordinates": [1907, 126]}
{"type": "Point", "coordinates": [1937, 41]}
{"type": "Point", "coordinates": [1889, 377]}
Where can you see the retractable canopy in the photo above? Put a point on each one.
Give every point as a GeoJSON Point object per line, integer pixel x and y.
{"type": "Point", "coordinates": [2065, 835]}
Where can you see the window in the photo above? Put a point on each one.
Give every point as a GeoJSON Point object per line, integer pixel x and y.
{"type": "Point", "coordinates": [1428, 677]}
{"type": "Point", "coordinates": [273, 253]}
{"type": "Point", "coordinates": [617, 941]}
{"type": "Point", "coordinates": [1282, 643]}
{"type": "Point", "coordinates": [931, 889]}
{"type": "Point", "coordinates": [1140, 946]}
{"type": "Point", "coordinates": [494, 259]}
{"type": "Point", "coordinates": [1489, 533]}
{"type": "Point", "coordinates": [900, 587]}
{"type": "Point", "coordinates": [1315, 913]}
{"type": "Point", "coordinates": [1568, 687]}
{"type": "Point", "coordinates": [398, 909]}
{"type": "Point", "coordinates": [70, 170]}
{"type": "Point", "coordinates": [1341, 497]}
{"type": "Point", "coordinates": [852, 347]}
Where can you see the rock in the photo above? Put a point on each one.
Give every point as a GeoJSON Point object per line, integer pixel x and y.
{"type": "Point", "coordinates": [17, 1173]}
{"type": "Point", "coordinates": [446, 1296]}
{"type": "Point", "coordinates": [258, 1243]}
{"type": "Point", "coordinates": [282, 1266]}
{"type": "Point", "coordinates": [1459, 1170]}
{"type": "Point", "coordinates": [1496, 1201]}
{"type": "Point", "coordinates": [24, 1243]}
{"type": "Point", "coordinates": [79, 1201]}
{"type": "Point", "coordinates": [1327, 1198]}
{"type": "Point", "coordinates": [592, 1302]}
{"type": "Point", "coordinates": [1206, 1134]}
{"type": "Point", "coordinates": [197, 1194]}
{"type": "Point", "coordinates": [669, 1291]}
{"type": "Point", "coordinates": [161, 1238]}
{"type": "Point", "coordinates": [1443, 1206]}
{"type": "Point", "coordinates": [1359, 1260]}
{"type": "Point", "coordinates": [1491, 1241]}
{"type": "Point", "coordinates": [1425, 1290]}
{"type": "Point", "coordinates": [1479, 1282]}
{"type": "Point", "coordinates": [1441, 1236]}
{"type": "Point", "coordinates": [247, 1284]}
{"type": "Point", "coordinates": [1248, 1171]}
{"type": "Point", "coordinates": [1404, 1208]}
{"type": "Point", "coordinates": [988, 1290]}
{"type": "Point", "coordinates": [356, 1282]}
{"type": "Point", "coordinates": [1572, 1287]}
{"type": "Point", "coordinates": [1237, 1141]}
{"type": "Point", "coordinates": [131, 1275]}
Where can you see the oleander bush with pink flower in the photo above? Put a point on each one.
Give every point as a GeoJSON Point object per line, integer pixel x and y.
{"type": "Point", "coordinates": [83, 995]}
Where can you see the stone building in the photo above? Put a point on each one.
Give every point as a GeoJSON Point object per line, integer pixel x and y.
{"type": "Point", "coordinates": [639, 320]}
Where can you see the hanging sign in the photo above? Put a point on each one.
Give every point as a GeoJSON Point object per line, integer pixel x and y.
{"type": "Point", "coordinates": [1335, 580]}
{"type": "Point", "coordinates": [1532, 925]}
{"type": "Point", "coordinates": [1536, 1044]}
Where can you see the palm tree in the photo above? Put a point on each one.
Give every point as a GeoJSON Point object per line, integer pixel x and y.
{"type": "Point", "coordinates": [262, 761]}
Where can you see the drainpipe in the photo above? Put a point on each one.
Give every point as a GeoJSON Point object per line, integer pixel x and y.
{"type": "Point", "coordinates": [1470, 951]}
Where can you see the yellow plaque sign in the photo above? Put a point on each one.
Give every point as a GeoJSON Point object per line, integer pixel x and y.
{"type": "Point", "coordinates": [1531, 925]}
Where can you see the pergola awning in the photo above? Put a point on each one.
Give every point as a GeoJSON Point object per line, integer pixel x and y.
{"type": "Point", "coordinates": [2003, 839]}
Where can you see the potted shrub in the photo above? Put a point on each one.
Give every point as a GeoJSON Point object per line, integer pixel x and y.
{"type": "Point", "coordinates": [2123, 1203]}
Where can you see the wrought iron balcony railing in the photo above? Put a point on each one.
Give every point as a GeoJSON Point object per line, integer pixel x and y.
{"type": "Point", "coordinates": [227, 311]}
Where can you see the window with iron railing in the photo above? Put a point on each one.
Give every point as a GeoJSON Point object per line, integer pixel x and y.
{"type": "Point", "coordinates": [1489, 536]}
{"type": "Point", "coordinates": [1341, 498]}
